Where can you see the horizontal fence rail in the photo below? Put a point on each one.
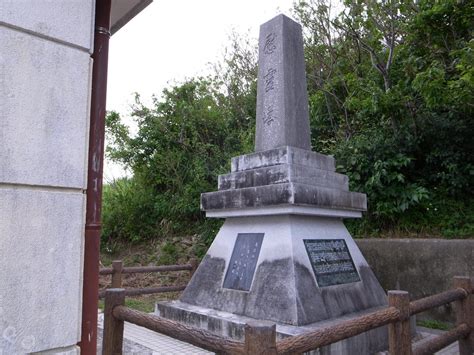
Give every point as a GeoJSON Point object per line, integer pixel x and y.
{"type": "Point", "coordinates": [147, 290]}
{"type": "Point", "coordinates": [192, 335]}
{"type": "Point", "coordinates": [434, 301]}
{"type": "Point", "coordinates": [442, 341]}
{"type": "Point", "coordinates": [318, 338]}
{"type": "Point", "coordinates": [145, 269]}
{"type": "Point", "coordinates": [260, 337]}
{"type": "Point", "coordinates": [117, 270]}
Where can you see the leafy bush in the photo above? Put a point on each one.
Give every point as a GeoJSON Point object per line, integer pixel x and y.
{"type": "Point", "coordinates": [390, 86]}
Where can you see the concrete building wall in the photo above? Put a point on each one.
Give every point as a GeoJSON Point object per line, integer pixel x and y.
{"type": "Point", "coordinates": [45, 79]}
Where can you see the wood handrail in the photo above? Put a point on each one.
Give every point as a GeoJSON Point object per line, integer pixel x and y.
{"type": "Point", "coordinates": [147, 290]}
{"type": "Point", "coordinates": [321, 337]}
{"type": "Point", "coordinates": [192, 335]}
{"type": "Point", "coordinates": [117, 270]}
{"type": "Point", "coordinates": [441, 341]}
{"type": "Point", "coordinates": [145, 269]}
{"type": "Point", "coordinates": [437, 300]}
{"type": "Point", "coordinates": [263, 336]}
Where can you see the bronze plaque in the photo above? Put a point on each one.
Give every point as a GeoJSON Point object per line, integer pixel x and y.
{"type": "Point", "coordinates": [332, 263]}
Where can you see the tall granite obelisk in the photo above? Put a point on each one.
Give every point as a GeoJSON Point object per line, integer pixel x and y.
{"type": "Point", "coordinates": [282, 98]}
{"type": "Point", "coordinates": [283, 253]}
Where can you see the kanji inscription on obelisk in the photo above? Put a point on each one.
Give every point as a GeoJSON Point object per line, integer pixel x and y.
{"type": "Point", "coordinates": [282, 99]}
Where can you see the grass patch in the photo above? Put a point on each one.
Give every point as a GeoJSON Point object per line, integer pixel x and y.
{"type": "Point", "coordinates": [140, 304]}
{"type": "Point", "coordinates": [144, 305]}
{"type": "Point", "coordinates": [433, 324]}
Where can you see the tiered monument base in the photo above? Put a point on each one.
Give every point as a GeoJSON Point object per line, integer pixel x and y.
{"type": "Point", "coordinates": [274, 273]}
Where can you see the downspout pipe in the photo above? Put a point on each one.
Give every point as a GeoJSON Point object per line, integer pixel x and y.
{"type": "Point", "coordinates": [88, 343]}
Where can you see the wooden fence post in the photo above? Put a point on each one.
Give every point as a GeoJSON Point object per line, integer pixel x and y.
{"type": "Point", "coordinates": [117, 267]}
{"type": "Point", "coordinates": [260, 338]}
{"type": "Point", "coordinates": [113, 328]}
{"type": "Point", "coordinates": [399, 334]}
{"type": "Point", "coordinates": [194, 265]}
{"type": "Point", "coordinates": [465, 314]}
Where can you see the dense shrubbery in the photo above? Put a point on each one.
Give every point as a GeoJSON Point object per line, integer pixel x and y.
{"type": "Point", "coordinates": [391, 88]}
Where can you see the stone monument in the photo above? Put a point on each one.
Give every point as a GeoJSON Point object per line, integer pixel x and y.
{"type": "Point", "coordinates": [283, 253]}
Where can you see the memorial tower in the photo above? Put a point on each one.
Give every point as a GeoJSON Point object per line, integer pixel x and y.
{"type": "Point", "coordinates": [283, 253]}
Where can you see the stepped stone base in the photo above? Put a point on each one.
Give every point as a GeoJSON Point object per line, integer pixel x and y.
{"type": "Point", "coordinates": [283, 155]}
{"type": "Point", "coordinates": [283, 194]}
{"type": "Point", "coordinates": [283, 173]}
{"type": "Point", "coordinates": [232, 326]}
{"type": "Point", "coordinates": [285, 176]}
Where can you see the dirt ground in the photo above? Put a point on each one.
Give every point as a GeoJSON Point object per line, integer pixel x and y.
{"type": "Point", "coordinates": [147, 255]}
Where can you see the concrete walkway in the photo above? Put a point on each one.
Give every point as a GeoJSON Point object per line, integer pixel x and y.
{"type": "Point", "coordinates": [142, 341]}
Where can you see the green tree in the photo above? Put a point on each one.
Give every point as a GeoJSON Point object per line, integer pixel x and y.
{"type": "Point", "coordinates": [391, 92]}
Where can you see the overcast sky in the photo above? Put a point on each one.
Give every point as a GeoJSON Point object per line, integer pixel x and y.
{"type": "Point", "coordinates": [174, 39]}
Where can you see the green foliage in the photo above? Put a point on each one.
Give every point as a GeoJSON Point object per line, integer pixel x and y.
{"type": "Point", "coordinates": [184, 141]}
{"type": "Point", "coordinates": [377, 166]}
{"type": "Point", "coordinates": [391, 92]}
{"type": "Point", "coordinates": [180, 147]}
{"type": "Point", "coordinates": [391, 95]}
{"type": "Point", "coordinates": [434, 324]}
{"type": "Point", "coordinates": [169, 254]}
{"type": "Point", "coordinates": [128, 212]}
{"type": "Point", "coordinates": [143, 305]}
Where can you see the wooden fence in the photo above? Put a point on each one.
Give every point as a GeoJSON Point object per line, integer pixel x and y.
{"type": "Point", "coordinates": [260, 336]}
{"type": "Point", "coordinates": [117, 270]}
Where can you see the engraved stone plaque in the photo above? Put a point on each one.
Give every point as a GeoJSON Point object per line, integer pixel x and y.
{"type": "Point", "coordinates": [332, 263]}
{"type": "Point", "coordinates": [243, 261]}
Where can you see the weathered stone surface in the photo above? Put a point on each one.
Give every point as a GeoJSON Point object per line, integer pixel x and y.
{"type": "Point", "coordinates": [283, 194]}
{"type": "Point", "coordinates": [403, 264]}
{"type": "Point", "coordinates": [41, 253]}
{"type": "Point", "coordinates": [283, 155]}
{"type": "Point", "coordinates": [74, 25]}
{"type": "Point", "coordinates": [232, 326]}
{"type": "Point", "coordinates": [44, 111]}
{"type": "Point", "coordinates": [278, 174]}
{"type": "Point", "coordinates": [45, 70]}
{"type": "Point", "coordinates": [283, 210]}
{"type": "Point", "coordinates": [284, 288]}
{"type": "Point", "coordinates": [282, 98]}
{"type": "Point", "coordinates": [282, 291]}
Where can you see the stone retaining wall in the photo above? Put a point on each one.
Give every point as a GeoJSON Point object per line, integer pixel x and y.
{"type": "Point", "coordinates": [420, 266]}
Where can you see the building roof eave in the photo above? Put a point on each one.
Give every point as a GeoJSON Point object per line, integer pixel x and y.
{"type": "Point", "coordinates": [125, 10]}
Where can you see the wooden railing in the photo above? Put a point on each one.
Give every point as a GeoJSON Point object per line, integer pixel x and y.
{"type": "Point", "coordinates": [260, 336]}
{"type": "Point", "coordinates": [117, 270]}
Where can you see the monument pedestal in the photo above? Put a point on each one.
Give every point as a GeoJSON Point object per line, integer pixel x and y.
{"type": "Point", "coordinates": [275, 267]}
